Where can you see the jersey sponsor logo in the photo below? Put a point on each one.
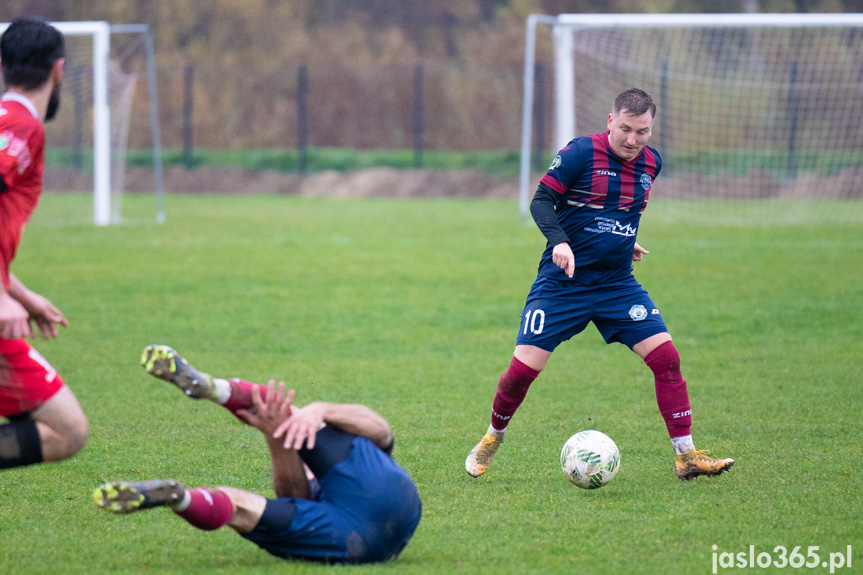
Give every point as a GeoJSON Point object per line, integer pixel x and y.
{"type": "Point", "coordinates": [637, 312]}
{"type": "Point", "coordinates": [626, 230]}
{"type": "Point", "coordinates": [606, 173]}
{"type": "Point", "coordinates": [645, 181]}
{"type": "Point", "coordinates": [654, 311]}
{"type": "Point", "coordinates": [555, 162]}
{"type": "Point", "coordinates": [602, 225]}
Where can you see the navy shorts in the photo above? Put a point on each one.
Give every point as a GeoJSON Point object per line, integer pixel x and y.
{"type": "Point", "coordinates": [556, 310]}
{"type": "Point", "coordinates": [367, 511]}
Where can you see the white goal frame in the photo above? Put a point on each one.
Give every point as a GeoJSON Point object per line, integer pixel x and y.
{"type": "Point", "coordinates": [101, 34]}
{"type": "Point", "coordinates": [565, 25]}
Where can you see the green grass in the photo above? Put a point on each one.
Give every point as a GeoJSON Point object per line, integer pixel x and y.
{"type": "Point", "coordinates": [411, 306]}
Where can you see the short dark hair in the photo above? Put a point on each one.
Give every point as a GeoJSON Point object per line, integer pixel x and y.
{"type": "Point", "coordinates": [636, 102]}
{"type": "Point", "coordinates": [29, 49]}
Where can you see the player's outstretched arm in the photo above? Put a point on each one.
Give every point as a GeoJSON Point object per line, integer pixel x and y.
{"type": "Point", "coordinates": [358, 419]}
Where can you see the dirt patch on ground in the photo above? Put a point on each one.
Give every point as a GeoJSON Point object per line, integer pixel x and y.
{"type": "Point", "coordinates": [377, 182]}
{"type": "Point", "coordinates": [847, 184]}
{"type": "Point", "coordinates": [473, 183]}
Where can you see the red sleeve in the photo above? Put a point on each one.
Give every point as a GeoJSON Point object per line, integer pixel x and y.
{"type": "Point", "coordinates": [8, 163]}
{"type": "Point", "coordinates": [22, 149]}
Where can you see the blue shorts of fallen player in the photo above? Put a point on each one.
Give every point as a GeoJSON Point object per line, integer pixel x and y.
{"type": "Point", "coordinates": [367, 511]}
{"type": "Point", "coordinates": [557, 310]}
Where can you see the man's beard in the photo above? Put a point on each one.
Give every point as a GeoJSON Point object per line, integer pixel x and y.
{"type": "Point", "coordinates": [53, 103]}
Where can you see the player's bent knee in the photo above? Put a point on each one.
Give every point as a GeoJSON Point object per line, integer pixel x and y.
{"type": "Point", "coordinates": [76, 430]}
{"type": "Point", "coordinates": [60, 444]}
{"type": "Point", "coordinates": [78, 437]}
{"type": "Point", "coordinates": [63, 426]}
{"type": "Point", "coordinates": [646, 346]}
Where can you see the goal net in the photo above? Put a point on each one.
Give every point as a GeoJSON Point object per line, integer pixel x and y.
{"type": "Point", "coordinates": [759, 109]}
{"type": "Point", "coordinates": [106, 107]}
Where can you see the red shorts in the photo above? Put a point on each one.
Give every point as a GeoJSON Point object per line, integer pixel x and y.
{"type": "Point", "coordinates": [27, 380]}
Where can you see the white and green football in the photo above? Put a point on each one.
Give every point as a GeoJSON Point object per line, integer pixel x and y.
{"type": "Point", "coordinates": [590, 459]}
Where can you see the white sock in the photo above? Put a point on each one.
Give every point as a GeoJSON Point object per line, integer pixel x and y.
{"type": "Point", "coordinates": [496, 432]}
{"type": "Point", "coordinates": [184, 504]}
{"type": "Point", "coordinates": [222, 391]}
{"type": "Point", "coordinates": [682, 444]}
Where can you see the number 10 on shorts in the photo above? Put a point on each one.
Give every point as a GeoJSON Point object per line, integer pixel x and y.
{"type": "Point", "coordinates": [535, 321]}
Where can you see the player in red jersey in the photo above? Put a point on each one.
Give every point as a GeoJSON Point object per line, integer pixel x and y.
{"type": "Point", "coordinates": [589, 206]}
{"type": "Point", "coordinates": [45, 421]}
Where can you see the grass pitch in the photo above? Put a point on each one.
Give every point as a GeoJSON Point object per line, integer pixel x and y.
{"type": "Point", "coordinates": [412, 307]}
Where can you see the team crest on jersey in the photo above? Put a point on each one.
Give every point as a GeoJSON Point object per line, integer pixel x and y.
{"type": "Point", "coordinates": [645, 181]}
{"type": "Point", "coordinates": [555, 162]}
{"type": "Point", "coordinates": [637, 312]}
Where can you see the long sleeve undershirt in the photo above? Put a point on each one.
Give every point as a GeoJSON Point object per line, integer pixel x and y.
{"type": "Point", "coordinates": [543, 208]}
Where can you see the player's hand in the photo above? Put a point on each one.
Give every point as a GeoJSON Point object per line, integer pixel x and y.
{"type": "Point", "coordinates": [638, 252]}
{"type": "Point", "coordinates": [270, 411]}
{"type": "Point", "coordinates": [44, 314]}
{"type": "Point", "coordinates": [303, 426]}
{"type": "Point", "coordinates": [14, 318]}
{"type": "Point", "coordinates": [563, 258]}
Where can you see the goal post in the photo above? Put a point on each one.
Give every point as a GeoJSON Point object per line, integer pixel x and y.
{"type": "Point", "coordinates": [751, 106]}
{"type": "Point", "coordinates": [104, 149]}
{"type": "Point", "coordinates": [152, 92]}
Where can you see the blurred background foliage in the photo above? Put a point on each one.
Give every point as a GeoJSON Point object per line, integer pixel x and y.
{"type": "Point", "coordinates": [237, 66]}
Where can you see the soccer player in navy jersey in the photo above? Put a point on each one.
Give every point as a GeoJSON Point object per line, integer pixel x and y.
{"type": "Point", "coordinates": [340, 497]}
{"type": "Point", "coordinates": [588, 205]}
{"type": "Point", "coordinates": [45, 421]}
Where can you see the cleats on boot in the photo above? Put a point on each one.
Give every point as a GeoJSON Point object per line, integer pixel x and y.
{"type": "Point", "coordinates": [127, 497]}
{"type": "Point", "coordinates": [480, 456]}
{"type": "Point", "coordinates": [163, 362]}
{"type": "Point", "coordinates": [695, 463]}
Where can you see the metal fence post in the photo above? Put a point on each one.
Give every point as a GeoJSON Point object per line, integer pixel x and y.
{"type": "Point", "coordinates": [188, 101]}
{"type": "Point", "coordinates": [302, 118]}
{"type": "Point", "coordinates": [418, 117]}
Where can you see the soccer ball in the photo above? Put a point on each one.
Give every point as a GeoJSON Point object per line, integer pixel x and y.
{"type": "Point", "coordinates": [590, 459]}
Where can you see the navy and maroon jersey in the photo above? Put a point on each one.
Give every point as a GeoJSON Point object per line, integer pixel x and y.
{"type": "Point", "coordinates": [22, 158]}
{"type": "Point", "coordinates": [367, 511]}
{"type": "Point", "coordinates": [601, 202]}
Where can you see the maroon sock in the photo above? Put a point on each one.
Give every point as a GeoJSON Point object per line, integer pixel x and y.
{"type": "Point", "coordinates": [210, 508]}
{"type": "Point", "coordinates": [511, 391]}
{"type": "Point", "coordinates": [241, 395]}
{"type": "Point", "coordinates": [671, 394]}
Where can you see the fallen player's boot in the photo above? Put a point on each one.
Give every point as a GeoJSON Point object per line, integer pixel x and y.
{"type": "Point", "coordinates": [163, 362]}
{"type": "Point", "coordinates": [127, 497]}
